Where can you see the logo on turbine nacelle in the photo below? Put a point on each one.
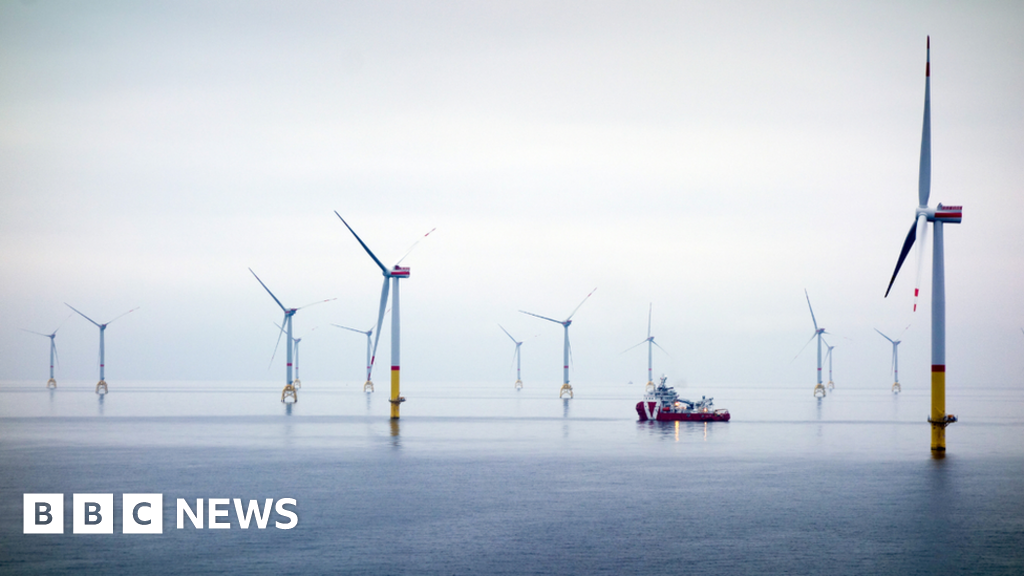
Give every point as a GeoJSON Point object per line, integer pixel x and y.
{"type": "Point", "coordinates": [400, 271]}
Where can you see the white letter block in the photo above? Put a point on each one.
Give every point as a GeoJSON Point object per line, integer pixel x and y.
{"type": "Point", "coordinates": [142, 513]}
{"type": "Point", "coordinates": [44, 514]}
{"type": "Point", "coordinates": [92, 513]}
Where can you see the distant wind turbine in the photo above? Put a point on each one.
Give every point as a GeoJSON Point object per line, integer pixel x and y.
{"type": "Point", "coordinates": [516, 358]}
{"type": "Point", "coordinates": [819, 390]}
{"type": "Point", "coordinates": [101, 386]}
{"type": "Point", "coordinates": [368, 385]}
{"type": "Point", "coordinates": [286, 326]}
{"type": "Point", "coordinates": [937, 216]}
{"type": "Point", "coordinates": [828, 356]}
{"type": "Point", "coordinates": [566, 348]}
{"type": "Point", "coordinates": [395, 274]}
{"type": "Point", "coordinates": [649, 341]}
{"type": "Point", "coordinates": [895, 360]}
{"type": "Point", "coordinates": [51, 383]}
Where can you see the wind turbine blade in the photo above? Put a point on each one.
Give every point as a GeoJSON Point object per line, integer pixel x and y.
{"type": "Point", "coordinates": [265, 288]}
{"type": "Point", "coordinates": [571, 363]}
{"type": "Point", "coordinates": [123, 315]}
{"type": "Point", "coordinates": [662, 349]}
{"type": "Point", "coordinates": [650, 309]}
{"type": "Point", "coordinates": [922, 231]}
{"type": "Point", "coordinates": [581, 304]}
{"type": "Point", "coordinates": [804, 347]}
{"type": "Point", "coordinates": [506, 333]}
{"type": "Point", "coordinates": [812, 310]}
{"type": "Point", "coordinates": [62, 323]}
{"type": "Point", "coordinates": [380, 317]}
{"type": "Point", "coordinates": [633, 346]}
{"type": "Point", "coordinates": [82, 315]}
{"type": "Point", "coordinates": [413, 247]}
{"type": "Point", "coordinates": [542, 317]}
{"type": "Point", "coordinates": [892, 365]}
{"type": "Point", "coordinates": [361, 243]}
{"type": "Point", "coordinates": [352, 329]}
{"type": "Point", "coordinates": [315, 303]}
{"type": "Point", "coordinates": [883, 335]}
{"type": "Point", "coordinates": [907, 245]}
{"type": "Point", "coordinates": [514, 354]}
{"type": "Point", "coordinates": [272, 356]}
{"type": "Point", "coordinates": [902, 333]}
{"type": "Point", "coordinates": [33, 332]}
{"type": "Point", "coordinates": [55, 355]}
{"type": "Point", "coordinates": [924, 181]}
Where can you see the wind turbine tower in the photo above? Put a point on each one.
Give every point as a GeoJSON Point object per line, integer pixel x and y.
{"type": "Point", "coordinates": [52, 382]}
{"type": "Point", "coordinates": [895, 361]}
{"type": "Point", "coordinates": [831, 386]}
{"type": "Point", "coordinates": [101, 386]}
{"type": "Point", "coordinates": [390, 276]}
{"type": "Point", "coordinates": [566, 348]}
{"type": "Point", "coordinates": [937, 216]}
{"type": "Point", "coordinates": [516, 357]}
{"type": "Point", "coordinates": [819, 390]}
{"type": "Point", "coordinates": [286, 326]}
{"type": "Point", "coordinates": [650, 343]}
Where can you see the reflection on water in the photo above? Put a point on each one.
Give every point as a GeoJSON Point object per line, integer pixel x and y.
{"type": "Point", "coordinates": [288, 408]}
{"type": "Point", "coordinates": [396, 436]}
{"type": "Point", "coordinates": [369, 396]}
{"type": "Point", "coordinates": [101, 404]}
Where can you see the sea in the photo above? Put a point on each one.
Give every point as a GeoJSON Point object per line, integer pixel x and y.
{"type": "Point", "coordinates": [484, 479]}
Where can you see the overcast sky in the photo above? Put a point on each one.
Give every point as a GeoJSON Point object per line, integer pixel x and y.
{"type": "Point", "coordinates": [714, 159]}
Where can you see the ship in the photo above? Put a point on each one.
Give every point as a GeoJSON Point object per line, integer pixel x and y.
{"type": "Point", "coordinates": [664, 405]}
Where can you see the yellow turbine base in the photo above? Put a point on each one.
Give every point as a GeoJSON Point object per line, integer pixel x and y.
{"type": "Point", "coordinates": [519, 384]}
{"type": "Point", "coordinates": [297, 384]}
{"type": "Point", "coordinates": [831, 386]}
{"type": "Point", "coordinates": [51, 383]}
{"type": "Point", "coordinates": [819, 390]}
{"type": "Point", "coordinates": [896, 388]}
{"type": "Point", "coordinates": [368, 386]}
{"type": "Point", "coordinates": [649, 387]}
{"type": "Point", "coordinates": [289, 392]}
{"type": "Point", "coordinates": [396, 400]}
{"type": "Point", "coordinates": [938, 418]}
{"type": "Point", "coordinates": [564, 389]}
{"type": "Point", "coordinates": [101, 387]}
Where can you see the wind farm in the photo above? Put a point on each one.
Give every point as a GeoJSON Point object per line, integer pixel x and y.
{"type": "Point", "coordinates": [939, 216]}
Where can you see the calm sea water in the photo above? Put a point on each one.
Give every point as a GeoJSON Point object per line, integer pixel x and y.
{"type": "Point", "coordinates": [482, 479]}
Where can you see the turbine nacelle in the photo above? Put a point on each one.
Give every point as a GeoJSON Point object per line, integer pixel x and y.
{"type": "Point", "coordinates": [399, 272]}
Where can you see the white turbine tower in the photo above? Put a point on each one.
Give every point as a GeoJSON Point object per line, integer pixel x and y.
{"type": "Point", "coordinates": [286, 326]}
{"type": "Point", "coordinates": [650, 350]}
{"type": "Point", "coordinates": [101, 386]}
{"type": "Point", "coordinates": [393, 275]}
{"type": "Point", "coordinates": [52, 382]}
{"type": "Point", "coordinates": [566, 349]}
{"type": "Point", "coordinates": [895, 360]}
{"type": "Point", "coordinates": [516, 357]}
{"type": "Point", "coordinates": [828, 356]}
{"type": "Point", "coordinates": [937, 216]}
{"type": "Point", "coordinates": [368, 385]}
{"type": "Point", "coordinates": [819, 390]}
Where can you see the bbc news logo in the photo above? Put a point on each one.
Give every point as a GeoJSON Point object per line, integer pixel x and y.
{"type": "Point", "coordinates": [143, 513]}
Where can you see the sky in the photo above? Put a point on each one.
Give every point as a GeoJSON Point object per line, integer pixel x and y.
{"type": "Point", "coordinates": [708, 161]}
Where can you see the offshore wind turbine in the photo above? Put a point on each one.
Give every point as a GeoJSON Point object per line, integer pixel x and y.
{"type": "Point", "coordinates": [828, 356]}
{"type": "Point", "coordinates": [566, 349]}
{"type": "Point", "coordinates": [51, 383]}
{"type": "Point", "coordinates": [818, 332]}
{"type": "Point", "coordinates": [368, 385]}
{"type": "Point", "coordinates": [516, 357]}
{"type": "Point", "coordinates": [937, 216]}
{"type": "Point", "coordinates": [650, 341]}
{"type": "Point", "coordinates": [101, 386]}
{"type": "Point", "coordinates": [895, 360]}
{"type": "Point", "coordinates": [286, 326]}
{"type": "Point", "coordinates": [393, 275]}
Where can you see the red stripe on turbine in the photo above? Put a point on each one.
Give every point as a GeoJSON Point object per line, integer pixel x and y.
{"type": "Point", "coordinates": [394, 368]}
{"type": "Point", "coordinates": [938, 367]}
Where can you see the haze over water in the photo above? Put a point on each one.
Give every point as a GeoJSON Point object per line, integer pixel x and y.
{"type": "Point", "coordinates": [482, 479]}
